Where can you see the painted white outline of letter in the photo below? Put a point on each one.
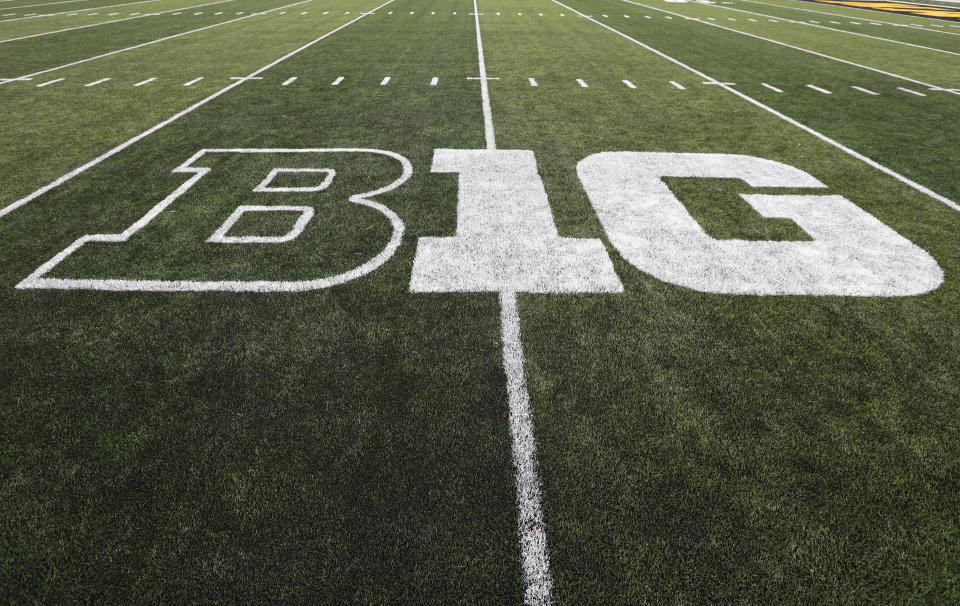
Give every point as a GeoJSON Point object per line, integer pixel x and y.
{"type": "Point", "coordinates": [37, 279]}
{"type": "Point", "coordinates": [327, 180]}
{"type": "Point", "coordinates": [220, 236]}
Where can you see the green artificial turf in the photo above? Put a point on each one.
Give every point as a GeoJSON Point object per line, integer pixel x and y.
{"type": "Point", "coordinates": [352, 444]}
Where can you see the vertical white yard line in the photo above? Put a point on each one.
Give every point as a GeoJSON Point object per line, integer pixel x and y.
{"type": "Point", "coordinates": [530, 525]}
{"type": "Point", "coordinates": [484, 90]}
{"type": "Point", "coordinates": [116, 150]}
{"type": "Point", "coordinates": [531, 529]}
{"type": "Point", "coordinates": [850, 152]}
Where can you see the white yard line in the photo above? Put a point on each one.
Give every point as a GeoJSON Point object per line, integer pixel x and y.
{"type": "Point", "coordinates": [337, 81]}
{"type": "Point", "coordinates": [194, 81]}
{"type": "Point", "coordinates": [912, 92]}
{"type": "Point", "coordinates": [864, 90]}
{"type": "Point", "coordinates": [629, 84]}
{"type": "Point", "coordinates": [96, 82]}
{"type": "Point", "coordinates": [289, 81]}
{"type": "Point", "coordinates": [49, 82]}
{"type": "Point", "coordinates": [116, 150]}
{"type": "Point", "coordinates": [147, 81]}
{"type": "Point", "coordinates": [676, 84]}
{"type": "Point", "coordinates": [164, 39]}
{"type": "Point", "coordinates": [12, 8]}
{"type": "Point", "coordinates": [799, 48]}
{"type": "Point", "coordinates": [819, 90]}
{"type": "Point", "coordinates": [70, 29]}
{"type": "Point", "coordinates": [771, 87]}
{"type": "Point", "coordinates": [842, 31]}
{"type": "Point", "coordinates": [530, 525]}
{"type": "Point", "coordinates": [905, 180]}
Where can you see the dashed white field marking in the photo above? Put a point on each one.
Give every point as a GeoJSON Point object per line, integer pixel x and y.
{"type": "Point", "coordinates": [864, 90]}
{"type": "Point", "coordinates": [119, 148]}
{"type": "Point", "coordinates": [337, 81]}
{"type": "Point", "coordinates": [678, 85]}
{"type": "Point", "coordinates": [629, 84]}
{"type": "Point", "coordinates": [75, 11]}
{"type": "Point", "coordinates": [532, 81]}
{"type": "Point", "coordinates": [434, 81]}
{"type": "Point", "coordinates": [164, 39]}
{"type": "Point", "coordinates": [385, 81]}
{"type": "Point", "coordinates": [806, 10]}
{"type": "Point", "coordinates": [912, 92]}
{"type": "Point", "coordinates": [798, 48]}
{"type": "Point", "coordinates": [70, 29]}
{"type": "Point", "coordinates": [771, 87]}
{"type": "Point", "coordinates": [289, 81]}
{"type": "Point", "coordinates": [530, 525]}
{"type": "Point", "coordinates": [843, 31]}
{"type": "Point", "coordinates": [819, 90]}
{"type": "Point", "coordinates": [10, 8]}
{"type": "Point", "coordinates": [581, 83]}
{"type": "Point", "coordinates": [96, 82]}
{"type": "Point", "coordinates": [147, 81]}
{"type": "Point", "coordinates": [192, 82]}
{"type": "Point", "coordinates": [850, 152]}
{"type": "Point", "coordinates": [49, 82]}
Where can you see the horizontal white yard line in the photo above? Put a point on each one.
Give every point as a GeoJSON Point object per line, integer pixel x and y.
{"type": "Point", "coordinates": [147, 81]}
{"type": "Point", "coordinates": [12, 8]}
{"type": "Point", "coordinates": [164, 39]}
{"type": "Point", "coordinates": [289, 81]}
{"type": "Point", "coordinates": [76, 11]}
{"type": "Point", "coordinates": [820, 90]}
{"type": "Point", "coordinates": [864, 90]}
{"type": "Point", "coordinates": [771, 87]}
{"type": "Point", "coordinates": [119, 148]}
{"type": "Point", "coordinates": [70, 29]}
{"type": "Point", "coordinates": [192, 82]}
{"type": "Point", "coordinates": [96, 82]}
{"type": "Point", "coordinates": [797, 48]}
{"type": "Point", "coordinates": [678, 85]}
{"type": "Point", "coordinates": [629, 84]}
{"type": "Point", "coordinates": [842, 31]}
{"type": "Point", "coordinates": [833, 142]}
{"type": "Point", "coordinates": [49, 82]}
{"type": "Point", "coordinates": [912, 92]}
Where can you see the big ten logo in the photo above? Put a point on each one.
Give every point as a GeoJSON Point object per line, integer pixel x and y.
{"type": "Point", "coordinates": [248, 220]}
{"type": "Point", "coordinates": [295, 220]}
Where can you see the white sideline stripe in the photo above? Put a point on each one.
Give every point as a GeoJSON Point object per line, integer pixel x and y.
{"type": "Point", "coordinates": [96, 82]}
{"type": "Point", "coordinates": [905, 180]}
{"type": "Point", "coordinates": [119, 148]}
{"type": "Point", "coordinates": [818, 89]}
{"type": "Point", "coordinates": [434, 81]}
{"type": "Point", "coordinates": [130, 48]}
{"type": "Point", "coordinates": [337, 81]}
{"type": "Point", "coordinates": [147, 81]}
{"type": "Point", "coordinates": [799, 48]}
{"type": "Point", "coordinates": [12, 8]}
{"type": "Point", "coordinates": [678, 85]}
{"type": "Point", "coordinates": [629, 84]}
{"type": "Point", "coordinates": [532, 82]}
{"type": "Point", "coordinates": [289, 81]}
{"type": "Point", "coordinates": [795, 8]}
{"type": "Point", "coordinates": [194, 81]}
{"type": "Point", "coordinates": [912, 92]}
{"type": "Point", "coordinates": [842, 31]}
{"type": "Point", "coordinates": [581, 83]}
{"type": "Point", "coordinates": [70, 29]}
{"type": "Point", "coordinates": [49, 82]}
{"type": "Point", "coordinates": [771, 87]}
{"type": "Point", "coordinates": [863, 90]}
{"type": "Point", "coordinates": [530, 526]}
{"type": "Point", "coordinates": [75, 11]}
{"type": "Point", "coordinates": [385, 81]}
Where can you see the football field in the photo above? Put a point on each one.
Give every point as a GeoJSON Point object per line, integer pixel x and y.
{"type": "Point", "coordinates": [479, 302]}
